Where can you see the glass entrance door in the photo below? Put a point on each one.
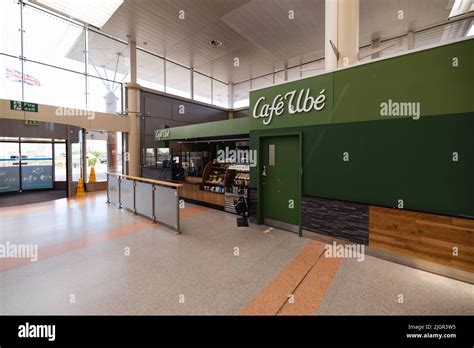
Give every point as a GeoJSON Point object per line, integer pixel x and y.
{"type": "Point", "coordinates": [9, 166]}
{"type": "Point", "coordinates": [36, 166]}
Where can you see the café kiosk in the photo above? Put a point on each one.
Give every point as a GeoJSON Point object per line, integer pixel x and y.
{"type": "Point", "coordinates": [366, 154]}
{"type": "Point", "coordinates": [207, 160]}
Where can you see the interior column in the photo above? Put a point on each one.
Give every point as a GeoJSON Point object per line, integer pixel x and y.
{"type": "Point", "coordinates": [342, 29]}
{"type": "Point", "coordinates": [133, 108]}
{"type": "Point", "coordinates": [112, 151]}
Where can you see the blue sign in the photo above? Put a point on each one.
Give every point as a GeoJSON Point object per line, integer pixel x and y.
{"type": "Point", "coordinates": [36, 177]}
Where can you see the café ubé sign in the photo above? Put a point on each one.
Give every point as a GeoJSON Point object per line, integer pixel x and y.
{"type": "Point", "coordinates": [293, 102]}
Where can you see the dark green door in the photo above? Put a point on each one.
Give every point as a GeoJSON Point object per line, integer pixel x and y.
{"type": "Point", "coordinates": [280, 180]}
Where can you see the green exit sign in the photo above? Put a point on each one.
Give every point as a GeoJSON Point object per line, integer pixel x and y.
{"type": "Point", "coordinates": [23, 106]}
{"type": "Point", "coordinates": [31, 122]}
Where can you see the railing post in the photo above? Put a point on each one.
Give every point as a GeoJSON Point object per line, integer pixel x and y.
{"type": "Point", "coordinates": [119, 179]}
{"type": "Point", "coordinates": [178, 227]}
{"type": "Point", "coordinates": [153, 202]}
{"type": "Point", "coordinates": [134, 198]}
{"type": "Point", "coordinates": [108, 200]}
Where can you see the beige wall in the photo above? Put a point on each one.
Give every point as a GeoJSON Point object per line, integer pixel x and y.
{"type": "Point", "coordinates": [47, 113]}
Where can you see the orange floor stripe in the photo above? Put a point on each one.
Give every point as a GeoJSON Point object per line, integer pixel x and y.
{"type": "Point", "coordinates": [75, 244]}
{"type": "Point", "coordinates": [88, 240]}
{"type": "Point", "coordinates": [310, 293]}
{"type": "Point", "coordinates": [270, 300]}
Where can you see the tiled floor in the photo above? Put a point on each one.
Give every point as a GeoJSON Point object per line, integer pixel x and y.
{"type": "Point", "coordinates": [214, 267]}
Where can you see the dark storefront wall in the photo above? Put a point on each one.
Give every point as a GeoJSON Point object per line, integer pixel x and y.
{"type": "Point", "coordinates": [159, 111]}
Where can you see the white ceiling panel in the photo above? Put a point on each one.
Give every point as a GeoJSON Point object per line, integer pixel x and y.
{"type": "Point", "coordinates": [258, 32]}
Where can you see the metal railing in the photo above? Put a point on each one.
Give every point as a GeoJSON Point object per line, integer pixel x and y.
{"type": "Point", "coordinates": [154, 199]}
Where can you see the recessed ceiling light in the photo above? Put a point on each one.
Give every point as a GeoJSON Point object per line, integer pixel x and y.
{"type": "Point", "coordinates": [93, 12]}
{"type": "Point", "coordinates": [215, 43]}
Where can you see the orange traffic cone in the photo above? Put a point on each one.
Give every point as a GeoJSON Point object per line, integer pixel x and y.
{"type": "Point", "coordinates": [80, 188]}
{"type": "Point", "coordinates": [92, 177]}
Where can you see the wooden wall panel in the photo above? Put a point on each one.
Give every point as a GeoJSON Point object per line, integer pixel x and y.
{"type": "Point", "coordinates": [193, 192]}
{"type": "Point", "coordinates": [425, 236]}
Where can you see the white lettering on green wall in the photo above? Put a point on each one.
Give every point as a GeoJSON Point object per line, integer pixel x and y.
{"type": "Point", "coordinates": [162, 134]}
{"type": "Point", "coordinates": [294, 102]}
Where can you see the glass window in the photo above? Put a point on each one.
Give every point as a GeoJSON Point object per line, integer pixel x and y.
{"type": "Point", "coordinates": [59, 162]}
{"type": "Point", "coordinates": [294, 73]}
{"type": "Point", "coordinates": [241, 94]}
{"type": "Point", "coordinates": [220, 93]}
{"type": "Point", "coordinates": [163, 157]}
{"type": "Point", "coordinates": [150, 158]}
{"type": "Point", "coordinates": [178, 80]}
{"type": "Point", "coordinates": [76, 161]}
{"type": "Point", "coordinates": [113, 158]}
{"type": "Point", "coordinates": [96, 152]}
{"type": "Point", "coordinates": [36, 165]}
{"type": "Point", "coordinates": [53, 40]}
{"type": "Point", "coordinates": [10, 34]}
{"type": "Point", "coordinates": [401, 45]}
{"type": "Point", "coordinates": [364, 53]}
{"type": "Point", "coordinates": [119, 153]}
{"type": "Point", "coordinates": [108, 58]}
{"type": "Point", "coordinates": [280, 76]}
{"type": "Point", "coordinates": [104, 95]}
{"type": "Point", "coordinates": [202, 88]}
{"type": "Point", "coordinates": [150, 71]}
{"type": "Point", "coordinates": [53, 86]}
{"type": "Point", "coordinates": [9, 167]}
{"type": "Point", "coordinates": [35, 139]}
{"type": "Point", "coordinates": [262, 82]}
{"type": "Point", "coordinates": [10, 86]}
{"type": "Point", "coordinates": [312, 69]}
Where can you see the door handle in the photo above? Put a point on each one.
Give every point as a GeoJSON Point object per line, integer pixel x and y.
{"type": "Point", "coordinates": [264, 172]}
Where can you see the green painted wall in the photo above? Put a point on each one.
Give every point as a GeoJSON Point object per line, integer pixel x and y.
{"type": "Point", "coordinates": [396, 159]}
{"type": "Point", "coordinates": [354, 94]}
{"type": "Point", "coordinates": [390, 158]}
{"type": "Point", "coordinates": [427, 77]}
{"type": "Point", "coordinates": [210, 129]}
